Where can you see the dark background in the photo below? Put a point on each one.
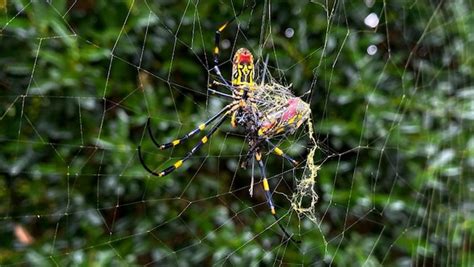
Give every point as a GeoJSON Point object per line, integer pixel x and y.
{"type": "Point", "coordinates": [78, 81]}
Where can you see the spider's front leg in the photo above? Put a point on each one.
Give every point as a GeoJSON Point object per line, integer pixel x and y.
{"type": "Point", "coordinates": [216, 52]}
{"type": "Point", "coordinates": [242, 105]}
{"type": "Point", "coordinates": [282, 154]}
{"type": "Point", "coordinates": [231, 107]}
{"type": "Point", "coordinates": [197, 130]}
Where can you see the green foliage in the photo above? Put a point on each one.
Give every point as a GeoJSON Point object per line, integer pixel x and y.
{"type": "Point", "coordinates": [78, 82]}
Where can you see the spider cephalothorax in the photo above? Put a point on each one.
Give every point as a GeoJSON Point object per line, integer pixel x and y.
{"type": "Point", "coordinates": [263, 110]}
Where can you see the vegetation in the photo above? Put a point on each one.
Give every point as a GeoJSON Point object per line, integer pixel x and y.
{"type": "Point", "coordinates": [79, 79]}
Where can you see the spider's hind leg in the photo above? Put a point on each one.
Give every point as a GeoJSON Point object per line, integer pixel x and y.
{"type": "Point", "coordinates": [280, 153]}
{"type": "Point", "coordinates": [268, 195]}
{"type": "Point", "coordinates": [180, 162]}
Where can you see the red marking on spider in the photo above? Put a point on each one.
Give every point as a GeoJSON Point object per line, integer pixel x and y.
{"type": "Point", "coordinates": [245, 57]}
{"type": "Point", "coordinates": [292, 109]}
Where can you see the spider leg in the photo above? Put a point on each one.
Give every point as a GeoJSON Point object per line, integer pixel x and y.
{"type": "Point", "coordinates": [220, 93]}
{"type": "Point", "coordinates": [226, 85]}
{"type": "Point", "coordinates": [197, 130]}
{"type": "Point", "coordinates": [280, 153]}
{"type": "Point", "coordinates": [232, 88]}
{"type": "Point", "coordinates": [265, 65]}
{"type": "Point", "coordinates": [217, 40]}
{"type": "Point", "coordinates": [268, 195]}
{"type": "Point", "coordinates": [218, 72]}
{"type": "Point", "coordinates": [178, 163]}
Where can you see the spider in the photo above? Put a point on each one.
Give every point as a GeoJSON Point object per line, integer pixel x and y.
{"type": "Point", "coordinates": [263, 110]}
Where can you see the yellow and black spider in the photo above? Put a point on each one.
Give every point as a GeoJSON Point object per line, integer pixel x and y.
{"type": "Point", "coordinates": [263, 110]}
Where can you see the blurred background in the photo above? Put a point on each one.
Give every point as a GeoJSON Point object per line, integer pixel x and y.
{"type": "Point", "coordinates": [390, 85]}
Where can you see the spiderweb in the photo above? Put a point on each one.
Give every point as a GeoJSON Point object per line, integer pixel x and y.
{"type": "Point", "coordinates": [386, 157]}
